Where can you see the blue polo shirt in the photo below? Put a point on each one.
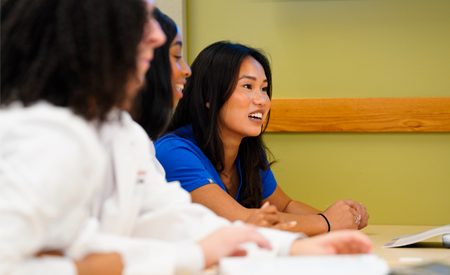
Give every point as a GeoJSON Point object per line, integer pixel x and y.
{"type": "Point", "coordinates": [183, 161]}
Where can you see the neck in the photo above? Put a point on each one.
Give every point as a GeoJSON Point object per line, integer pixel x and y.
{"type": "Point", "coordinates": [231, 145]}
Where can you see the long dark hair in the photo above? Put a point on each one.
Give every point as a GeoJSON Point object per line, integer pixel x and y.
{"type": "Point", "coordinates": [215, 73]}
{"type": "Point", "coordinates": [72, 53]}
{"type": "Point", "coordinates": [153, 105]}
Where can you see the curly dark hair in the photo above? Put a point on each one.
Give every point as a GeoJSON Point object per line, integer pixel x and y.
{"type": "Point", "coordinates": [154, 104]}
{"type": "Point", "coordinates": [215, 74]}
{"type": "Point", "coordinates": [72, 53]}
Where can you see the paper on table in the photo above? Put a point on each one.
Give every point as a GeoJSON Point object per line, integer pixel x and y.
{"type": "Point", "coordinates": [414, 238]}
{"type": "Point", "coordinates": [367, 264]}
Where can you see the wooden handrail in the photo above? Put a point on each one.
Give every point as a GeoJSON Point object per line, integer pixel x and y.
{"type": "Point", "coordinates": [407, 114]}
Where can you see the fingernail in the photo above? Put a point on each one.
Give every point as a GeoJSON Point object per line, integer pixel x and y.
{"type": "Point", "coordinates": [359, 217]}
{"type": "Point", "coordinates": [293, 223]}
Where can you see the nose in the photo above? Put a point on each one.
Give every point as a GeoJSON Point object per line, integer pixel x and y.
{"type": "Point", "coordinates": [156, 37]}
{"type": "Point", "coordinates": [258, 98]}
{"type": "Point", "coordinates": [185, 69]}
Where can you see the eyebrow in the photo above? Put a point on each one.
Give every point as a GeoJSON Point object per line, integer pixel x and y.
{"type": "Point", "coordinates": [251, 77]}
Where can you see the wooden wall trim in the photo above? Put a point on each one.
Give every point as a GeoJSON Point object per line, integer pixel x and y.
{"type": "Point", "coordinates": [407, 114]}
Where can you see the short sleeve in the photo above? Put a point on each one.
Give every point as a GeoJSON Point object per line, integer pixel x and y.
{"type": "Point", "coordinates": [182, 163]}
{"type": "Point", "coordinates": [269, 183]}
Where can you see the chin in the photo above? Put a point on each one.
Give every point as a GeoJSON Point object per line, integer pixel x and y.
{"type": "Point", "coordinates": [254, 133]}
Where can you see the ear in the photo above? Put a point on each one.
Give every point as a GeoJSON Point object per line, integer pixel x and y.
{"type": "Point", "coordinates": [207, 105]}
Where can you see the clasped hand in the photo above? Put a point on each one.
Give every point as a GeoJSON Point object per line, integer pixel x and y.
{"type": "Point", "coordinates": [267, 216]}
{"type": "Point", "coordinates": [347, 214]}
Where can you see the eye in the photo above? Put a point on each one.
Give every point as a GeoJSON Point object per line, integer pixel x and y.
{"type": "Point", "coordinates": [247, 86]}
{"type": "Point", "coordinates": [264, 89]}
{"type": "Point", "coordinates": [178, 57]}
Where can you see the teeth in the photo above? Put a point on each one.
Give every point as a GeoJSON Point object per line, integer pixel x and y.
{"type": "Point", "coordinates": [256, 115]}
{"type": "Point", "coordinates": [179, 87]}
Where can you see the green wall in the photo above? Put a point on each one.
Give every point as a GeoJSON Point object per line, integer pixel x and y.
{"type": "Point", "coordinates": [332, 49]}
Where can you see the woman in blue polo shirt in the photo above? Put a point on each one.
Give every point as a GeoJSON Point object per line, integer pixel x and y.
{"type": "Point", "coordinates": [215, 149]}
{"type": "Point", "coordinates": [165, 79]}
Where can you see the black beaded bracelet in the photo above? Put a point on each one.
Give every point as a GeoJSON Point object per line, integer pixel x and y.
{"type": "Point", "coordinates": [326, 220]}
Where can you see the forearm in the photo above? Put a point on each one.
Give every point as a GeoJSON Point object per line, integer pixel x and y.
{"type": "Point", "coordinates": [310, 224]}
{"type": "Point", "coordinates": [214, 198]}
{"type": "Point", "coordinates": [296, 207]}
{"type": "Point", "coordinates": [240, 215]}
{"type": "Point", "coordinates": [136, 254]}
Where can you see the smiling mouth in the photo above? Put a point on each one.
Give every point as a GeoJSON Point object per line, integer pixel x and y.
{"type": "Point", "coordinates": [256, 116]}
{"type": "Point", "coordinates": [179, 87]}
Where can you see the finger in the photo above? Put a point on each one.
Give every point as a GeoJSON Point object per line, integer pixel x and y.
{"type": "Point", "coordinates": [363, 208]}
{"type": "Point", "coordinates": [351, 242]}
{"type": "Point", "coordinates": [355, 218]}
{"type": "Point", "coordinates": [239, 253]}
{"type": "Point", "coordinates": [265, 205]}
{"type": "Point", "coordinates": [255, 236]}
{"type": "Point", "coordinates": [269, 210]}
{"type": "Point", "coordinates": [365, 216]}
{"type": "Point", "coordinates": [356, 248]}
{"type": "Point", "coordinates": [360, 210]}
{"type": "Point", "coordinates": [361, 243]}
{"type": "Point", "coordinates": [364, 221]}
{"type": "Point", "coordinates": [261, 222]}
{"type": "Point", "coordinates": [285, 225]}
{"type": "Point", "coordinates": [264, 223]}
{"type": "Point", "coordinates": [274, 219]}
{"type": "Point", "coordinates": [258, 215]}
{"type": "Point", "coordinates": [357, 206]}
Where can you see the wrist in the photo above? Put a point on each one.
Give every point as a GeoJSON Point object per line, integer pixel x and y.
{"type": "Point", "coordinates": [326, 220]}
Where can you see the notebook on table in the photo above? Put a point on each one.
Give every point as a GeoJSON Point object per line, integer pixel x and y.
{"type": "Point", "coordinates": [367, 264]}
{"type": "Point", "coordinates": [414, 238]}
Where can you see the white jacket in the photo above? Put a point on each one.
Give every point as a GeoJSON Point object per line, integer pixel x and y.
{"type": "Point", "coordinates": [60, 176]}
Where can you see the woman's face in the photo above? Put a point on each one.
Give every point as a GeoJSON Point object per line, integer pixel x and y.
{"type": "Point", "coordinates": [180, 70]}
{"type": "Point", "coordinates": [245, 111]}
{"type": "Point", "coordinates": [152, 37]}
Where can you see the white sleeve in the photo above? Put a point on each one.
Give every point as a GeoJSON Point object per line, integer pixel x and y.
{"type": "Point", "coordinates": [49, 172]}
{"type": "Point", "coordinates": [46, 265]}
{"type": "Point", "coordinates": [281, 241]}
{"type": "Point", "coordinates": [45, 186]}
{"type": "Point", "coordinates": [139, 256]}
{"type": "Point", "coordinates": [169, 214]}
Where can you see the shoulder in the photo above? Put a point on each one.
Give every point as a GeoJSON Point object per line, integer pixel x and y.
{"type": "Point", "coordinates": [46, 145]}
{"type": "Point", "coordinates": [121, 134]}
{"type": "Point", "coordinates": [180, 138]}
{"type": "Point", "coordinates": [179, 148]}
{"type": "Point", "coordinates": [45, 120]}
{"type": "Point", "coordinates": [133, 126]}
{"type": "Point", "coordinates": [121, 128]}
